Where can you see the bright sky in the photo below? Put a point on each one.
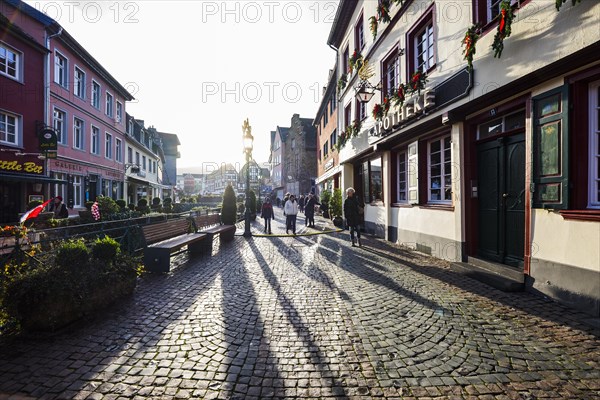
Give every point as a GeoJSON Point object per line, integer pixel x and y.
{"type": "Point", "coordinates": [200, 68]}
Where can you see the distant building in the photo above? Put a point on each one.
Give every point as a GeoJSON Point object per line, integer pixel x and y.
{"type": "Point", "coordinates": [217, 181]}
{"type": "Point", "coordinates": [300, 156]}
{"type": "Point", "coordinates": [278, 140]}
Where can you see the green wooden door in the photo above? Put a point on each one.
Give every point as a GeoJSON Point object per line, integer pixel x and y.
{"type": "Point", "coordinates": [501, 199]}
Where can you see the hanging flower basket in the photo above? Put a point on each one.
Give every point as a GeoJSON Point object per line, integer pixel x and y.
{"type": "Point", "coordinates": [373, 24]}
{"type": "Point", "coordinates": [504, 27]}
{"type": "Point", "coordinates": [469, 42]}
{"type": "Point", "coordinates": [417, 82]}
{"type": "Point", "coordinates": [383, 11]}
{"type": "Point", "coordinates": [380, 110]}
{"type": "Point", "coordinates": [356, 127]}
{"type": "Point", "coordinates": [399, 95]}
{"type": "Point", "coordinates": [341, 85]}
{"type": "Point", "coordinates": [355, 61]}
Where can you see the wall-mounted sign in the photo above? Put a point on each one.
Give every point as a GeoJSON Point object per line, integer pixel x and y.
{"type": "Point", "coordinates": [28, 167]}
{"type": "Point", "coordinates": [48, 140]}
{"type": "Point", "coordinates": [68, 166]}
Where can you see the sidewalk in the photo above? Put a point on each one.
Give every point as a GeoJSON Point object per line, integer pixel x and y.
{"type": "Point", "coordinates": [311, 317]}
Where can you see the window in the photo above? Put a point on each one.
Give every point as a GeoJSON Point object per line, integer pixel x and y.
{"type": "Point", "coordinates": [421, 45]}
{"type": "Point", "coordinates": [401, 178]}
{"type": "Point", "coordinates": [137, 158]}
{"type": "Point", "coordinates": [77, 191]}
{"type": "Point", "coordinates": [347, 116]}
{"type": "Point", "coordinates": [108, 146]}
{"type": "Point", "coordinates": [9, 128]}
{"type": "Point", "coordinates": [345, 60]}
{"type": "Point", "coordinates": [60, 69]}
{"type": "Point", "coordinates": [95, 94]}
{"type": "Point", "coordinates": [60, 118]}
{"type": "Point", "coordinates": [325, 118]}
{"type": "Point", "coordinates": [129, 155]}
{"type": "Point", "coordinates": [333, 138]}
{"type": "Point", "coordinates": [118, 150]}
{"type": "Point", "coordinates": [486, 11]}
{"type": "Point", "coordinates": [332, 103]}
{"type": "Point", "coordinates": [144, 163]}
{"type": "Point", "coordinates": [361, 110]}
{"type": "Point", "coordinates": [78, 133]}
{"type": "Point", "coordinates": [359, 34]}
{"type": "Point", "coordinates": [109, 104]}
{"type": "Point", "coordinates": [130, 127]}
{"type": "Point", "coordinates": [594, 163]}
{"type": "Point", "coordinates": [502, 124]}
{"type": "Point", "coordinates": [372, 185]}
{"type": "Point", "coordinates": [391, 72]}
{"type": "Point", "coordinates": [293, 144]}
{"type": "Point", "coordinates": [59, 189]}
{"type": "Point", "coordinates": [119, 112]}
{"type": "Point", "coordinates": [95, 141]}
{"type": "Point", "coordinates": [325, 149]}
{"type": "Point", "coordinates": [79, 86]}
{"type": "Point", "coordinates": [440, 171]}
{"type": "Point", "coordinates": [9, 62]}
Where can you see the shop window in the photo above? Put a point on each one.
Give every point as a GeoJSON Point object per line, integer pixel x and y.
{"type": "Point", "coordinates": [594, 161]}
{"type": "Point", "coordinates": [401, 177]}
{"type": "Point", "coordinates": [372, 184]}
{"type": "Point", "coordinates": [440, 171]}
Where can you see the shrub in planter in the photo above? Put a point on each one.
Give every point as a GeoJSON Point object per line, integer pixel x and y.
{"type": "Point", "coordinates": [228, 212]}
{"type": "Point", "coordinates": [72, 253]}
{"type": "Point", "coordinates": [106, 249]}
{"type": "Point", "coordinates": [131, 206]}
{"type": "Point", "coordinates": [336, 203]}
{"type": "Point", "coordinates": [122, 204]}
{"type": "Point", "coordinates": [325, 199]}
{"type": "Point", "coordinates": [142, 206]}
{"type": "Point", "coordinates": [107, 206]}
{"type": "Point", "coordinates": [53, 294]}
{"type": "Point", "coordinates": [156, 204]}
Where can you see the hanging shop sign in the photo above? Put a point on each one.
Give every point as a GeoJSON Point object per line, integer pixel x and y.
{"type": "Point", "coordinates": [28, 167]}
{"type": "Point", "coordinates": [48, 140]}
{"type": "Point", "coordinates": [328, 165]}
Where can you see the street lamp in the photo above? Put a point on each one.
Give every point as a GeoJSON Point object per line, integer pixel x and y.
{"type": "Point", "coordinates": [248, 144]}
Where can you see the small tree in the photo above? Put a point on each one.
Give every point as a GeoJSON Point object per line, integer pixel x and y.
{"type": "Point", "coordinates": [228, 212]}
{"type": "Point", "coordinates": [325, 200]}
{"type": "Point", "coordinates": [336, 203]}
{"type": "Point", "coordinates": [252, 202]}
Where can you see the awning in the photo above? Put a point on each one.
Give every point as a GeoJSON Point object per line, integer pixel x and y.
{"type": "Point", "coordinates": [30, 178]}
{"type": "Point", "coordinates": [332, 172]}
{"type": "Point", "coordinates": [138, 181]}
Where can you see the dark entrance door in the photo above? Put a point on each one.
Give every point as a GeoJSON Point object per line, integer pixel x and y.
{"type": "Point", "coordinates": [501, 181]}
{"type": "Point", "coordinates": [9, 202]}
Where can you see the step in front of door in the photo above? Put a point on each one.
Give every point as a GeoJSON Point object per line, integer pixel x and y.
{"type": "Point", "coordinates": [511, 281]}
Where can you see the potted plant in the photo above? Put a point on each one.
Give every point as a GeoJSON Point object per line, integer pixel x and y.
{"type": "Point", "coordinates": [252, 205]}
{"type": "Point", "coordinates": [228, 210]}
{"type": "Point", "coordinates": [325, 199]}
{"type": "Point", "coordinates": [336, 208]}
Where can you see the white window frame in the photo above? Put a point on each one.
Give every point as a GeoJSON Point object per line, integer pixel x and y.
{"type": "Point", "coordinates": [62, 132]}
{"type": "Point", "coordinates": [118, 150]}
{"type": "Point", "coordinates": [594, 146]}
{"type": "Point", "coordinates": [108, 151]}
{"type": "Point", "coordinates": [57, 188]}
{"type": "Point", "coordinates": [95, 140]}
{"type": "Point", "coordinates": [129, 155]}
{"type": "Point", "coordinates": [119, 114]}
{"type": "Point", "coordinates": [18, 57]}
{"type": "Point", "coordinates": [443, 171]}
{"type": "Point", "coordinates": [428, 46]}
{"type": "Point", "coordinates": [16, 128]}
{"type": "Point", "coordinates": [79, 82]}
{"type": "Point", "coordinates": [78, 134]}
{"type": "Point", "coordinates": [78, 191]}
{"type": "Point", "coordinates": [96, 94]}
{"type": "Point", "coordinates": [402, 157]}
{"type": "Point", "coordinates": [109, 104]}
{"type": "Point", "coordinates": [61, 73]}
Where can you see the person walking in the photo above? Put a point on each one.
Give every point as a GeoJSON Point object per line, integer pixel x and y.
{"type": "Point", "coordinates": [352, 215]}
{"type": "Point", "coordinates": [301, 201]}
{"type": "Point", "coordinates": [309, 212]}
{"type": "Point", "coordinates": [267, 213]}
{"type": "Point", "coordinates": [291, 212]}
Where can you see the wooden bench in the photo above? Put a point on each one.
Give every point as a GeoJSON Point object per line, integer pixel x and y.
{"type": "Point", "coordinates": [211, 226]}
{"type": "Point", "coordinates": [164, 238]}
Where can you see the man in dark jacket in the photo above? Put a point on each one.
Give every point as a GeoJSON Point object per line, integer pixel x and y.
{"type": "Point", "coordinates": [352, 214]}
{"type": "Point", "coordinates": [309, 210]}
{"type": "Point", "coordinates": [268, 214]}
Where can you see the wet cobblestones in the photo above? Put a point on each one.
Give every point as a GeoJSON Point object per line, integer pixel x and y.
{"type": "Point", "coordinates": [311, 317]}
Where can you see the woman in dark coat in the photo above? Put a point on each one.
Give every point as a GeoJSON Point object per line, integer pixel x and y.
{"type": "Point", "coordinates": [309, 210]}
{"type": "Point", "coordinates": [268, 214]}
{"type": "Point", "coordinates": [352, 215]}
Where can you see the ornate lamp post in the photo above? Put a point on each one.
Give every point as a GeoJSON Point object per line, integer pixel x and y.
{"type": "Point", "coordinates": [248, 144]}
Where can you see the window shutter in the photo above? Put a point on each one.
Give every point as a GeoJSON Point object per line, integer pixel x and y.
{"type": "Point", "coordinates": [551, 149]}
{"type": "Point", "coordinates": [412, 173]}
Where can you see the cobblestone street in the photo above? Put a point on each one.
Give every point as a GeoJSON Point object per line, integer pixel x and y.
{"type": "Point", "coordinates": [311, 317]}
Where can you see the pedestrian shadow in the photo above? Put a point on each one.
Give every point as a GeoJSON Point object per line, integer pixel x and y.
{"type": "Point", "coordinates": [317, 356]}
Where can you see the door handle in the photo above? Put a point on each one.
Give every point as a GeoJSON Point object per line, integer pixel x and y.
{"type": "Point", "coordinates": [505, 195]}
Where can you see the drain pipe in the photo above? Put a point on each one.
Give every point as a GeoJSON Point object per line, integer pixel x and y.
{"type": "Point", "coordinates": [47, 114]}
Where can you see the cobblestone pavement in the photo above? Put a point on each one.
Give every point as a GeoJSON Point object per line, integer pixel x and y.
{"type": "Point", "coordinates": [311, 317]}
